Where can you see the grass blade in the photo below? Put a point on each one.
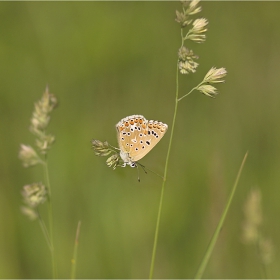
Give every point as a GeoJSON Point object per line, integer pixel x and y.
{"type": "Point", "coordinates": [220, 224]}
{"type": "Point", "coordinates": [74, 259]}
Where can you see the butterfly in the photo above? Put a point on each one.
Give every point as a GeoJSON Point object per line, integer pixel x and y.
{"type": "Point", "coordinates": [137, 136]}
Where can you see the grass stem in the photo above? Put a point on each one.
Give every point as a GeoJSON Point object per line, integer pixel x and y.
{"type": "Point", "coordinates": [50, 214]}
{"type": "Point", "coordinates": [190, 91]}
{"type": "Point", "coordinates": [164, 178]}
{"type": "Point", "coordinates": [45, 230]}
{"type": "Point", "coordinates": [74, 259]}
{"type": "Point", "coordinates": [220, 224]}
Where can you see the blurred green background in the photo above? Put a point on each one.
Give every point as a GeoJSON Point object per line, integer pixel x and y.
{"type": "Point", "coordinates": [105, 61]}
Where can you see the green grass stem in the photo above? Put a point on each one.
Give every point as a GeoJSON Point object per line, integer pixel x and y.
{"type": "Point", "coordinates": [164, 179]}
{"type": "Point", "coordinates": [44, 230]}
{"type": "Point", "coordinates": [50, 214]}
{"type": "Point", "coordinates": [190, 91]}
{"type": "Point", "coordinates": [74, 259]}
{"type": "Point", "coordinates": [220, 224]}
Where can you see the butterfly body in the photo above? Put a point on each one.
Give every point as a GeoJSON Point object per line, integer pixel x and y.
{"type": "Point", "coordinates": [137, 136]}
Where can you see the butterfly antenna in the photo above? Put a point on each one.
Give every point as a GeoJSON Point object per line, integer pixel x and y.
{"type": "Point", "coordinates": [144, 168]}
{"type": "Point", "coordinates": [138, 173]}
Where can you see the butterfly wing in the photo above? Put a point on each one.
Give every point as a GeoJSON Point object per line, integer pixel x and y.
{"type": "Point", "coordinates": [137, 136]}
{"type": "Point", "coordinates": [128, 130]}
{"type": "Point", "coordinates": [146, 141]}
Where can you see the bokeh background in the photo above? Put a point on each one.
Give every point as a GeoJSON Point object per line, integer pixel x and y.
{"type": "Point", "coordinates": [105, 61]}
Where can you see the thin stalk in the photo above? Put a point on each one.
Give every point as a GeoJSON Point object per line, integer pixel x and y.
{"type": "Point", "coordinates": [190, 91]}
{"type": "Point", "coordinates": [220, 224]}
{"type": "Point", "coordinates": [164, 178]}
{"type": "Point", "coordinates": [44, 229]}
{"type": "Point", "coordinates": [50, 214]}
{"type": "Point", "coordinates": [74, 259]}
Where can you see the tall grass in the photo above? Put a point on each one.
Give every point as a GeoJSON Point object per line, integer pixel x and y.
{"type": "Point", "coordinates": [193, 30]}
{"type": "Point", "coordinates": [37, 193]}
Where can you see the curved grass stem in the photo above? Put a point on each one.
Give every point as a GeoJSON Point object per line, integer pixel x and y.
{"type": "Point", "coordinates": [190, 91]}
{"type": "Point", "coordinates": [50, 214]}
{"type": "Point", "coordinates": [201, 269]}
{"type": "Point", "coordinates": [74, 259]}
{"type": "Point", "coordinates": [220, 224]}
{"type": "Point", "coordinates": [164, 179]}
{"type": "Point", "coordinates": [259, 252]}
{"type": "Point", "coordinates": [44, 230]}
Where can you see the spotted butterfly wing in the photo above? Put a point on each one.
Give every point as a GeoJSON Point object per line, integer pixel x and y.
{"type": "Point", "coordinates": [137, 136]}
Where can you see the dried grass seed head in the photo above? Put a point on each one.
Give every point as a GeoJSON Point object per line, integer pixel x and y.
{"type": "Point", "coordinates": [215, 75]}
{"type": "Point", "coordinates": [34, 194]}
{"type": "Point", "coordinates": [40, 120]}
{"type": "Point", "coordinates": [186, 61]}
{"type": "Point", "coordinates": [253, 216]}
{"type": "Point", "coordinates": [193, 7]}
{"type": "Point", "coordinates": [28, 156]}
{"type": "Point", "coordinates": [114, 161]}
{"type": "Point", "coordinates": [189, 8]}
{"type": "Point", "coordinates": [101, 148]}
{"type": "Point", "coordinates": [29, 212]}
{"type": "Point", "coordinates": [40, 117]}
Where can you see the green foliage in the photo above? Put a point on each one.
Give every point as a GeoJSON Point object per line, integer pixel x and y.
{"type": "Point", "coordinates": [107, 60]}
